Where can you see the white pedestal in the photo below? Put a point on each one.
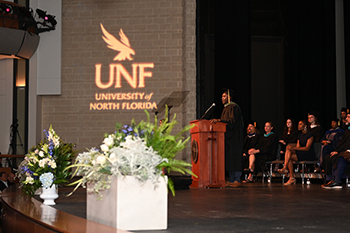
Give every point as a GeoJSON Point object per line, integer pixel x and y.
{"type": "Point", "coordinates": [49, 195]}
{"type": "Point", "coordinates": [131, 205]}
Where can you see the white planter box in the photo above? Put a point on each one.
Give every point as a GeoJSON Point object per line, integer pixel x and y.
{"type": "Point", "coordinates": [131, 205]}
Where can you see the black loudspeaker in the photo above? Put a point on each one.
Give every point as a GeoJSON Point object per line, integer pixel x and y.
{"type": "Point", "coordinates": [17, 43]}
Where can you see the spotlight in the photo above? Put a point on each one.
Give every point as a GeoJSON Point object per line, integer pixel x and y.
{"type": "Point", "coordinates": [48, 22]}
{"type": "Point", "coordinates": [48, 18]}
{"type": "Point", "coordinates": [6, 8]}
{"type": "Point", "coordinates": [52, 20]}
{"type": "Point", "coordinates": [41, 13]}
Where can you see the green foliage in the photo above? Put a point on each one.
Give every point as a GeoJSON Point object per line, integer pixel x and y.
{"type": "Point", "coordinates": [121, 154]}
{"type": "Point", "coordinates": [49, 156]}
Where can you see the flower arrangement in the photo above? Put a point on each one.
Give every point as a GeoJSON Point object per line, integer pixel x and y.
{"type": "Point", "coordinates": [141, 150]}
{"type": "Point", "coordinates": [45, 164]}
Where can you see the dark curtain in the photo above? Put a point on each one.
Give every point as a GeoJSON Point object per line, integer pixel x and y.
{"type": "Point", "coordinates": [232, 53]}
{"type": "Point", "coordinates": [347, 47]}
{"type": "Point", "coordinates": [310, 76]}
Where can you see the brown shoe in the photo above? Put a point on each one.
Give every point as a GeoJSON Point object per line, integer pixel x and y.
{"type": "Point", "coordinates": [228, 184]}
{"type": "Point", "coordinates": [235, 184]}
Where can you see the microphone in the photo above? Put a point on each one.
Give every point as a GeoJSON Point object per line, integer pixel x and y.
{"type": "Point", "coordinates": [211, 106]}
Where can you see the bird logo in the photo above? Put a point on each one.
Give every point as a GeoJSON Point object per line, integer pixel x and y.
{"type": "Point", "coordinates": [123, 46]}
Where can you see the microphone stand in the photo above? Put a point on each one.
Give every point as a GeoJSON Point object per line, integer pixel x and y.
{"type": "Point", "coordinates": [213, 105]}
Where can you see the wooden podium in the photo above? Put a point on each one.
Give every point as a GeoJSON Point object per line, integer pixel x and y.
{"type": "Point", "coordinates": [208, 154]}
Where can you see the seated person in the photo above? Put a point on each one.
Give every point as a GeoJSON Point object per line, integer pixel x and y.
{"type": "Point", "coordinates": [303, 151]}
{"type": "Point", "coordinates": [11, 179]}
{"type": "Point", "coordinates": [265, 151]}
{"type": "Point", "coordinates": [331, 160]}
{"type": "Point", "coordinates": [288, 136]}
{"type": "Point", "coordinates": [338, 173]}
{"type": "Point", "coordinates": [3, 181]}
{"type": "Point", "coordinates": [250, 141]}
{"type": "Point", "coordinates": [331, 138]}
{"type": "Point", "coordinates": [343, 122]}
{"type": "Point", "coordinates": [315, 126]}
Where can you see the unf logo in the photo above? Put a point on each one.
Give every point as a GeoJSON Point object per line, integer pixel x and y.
{"type": "Point", "coordinates": [117, 70]}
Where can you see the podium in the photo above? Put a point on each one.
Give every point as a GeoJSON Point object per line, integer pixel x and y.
{"type": "Point", "coordinates": [208, 154]}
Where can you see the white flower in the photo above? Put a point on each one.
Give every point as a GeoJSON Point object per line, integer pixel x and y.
{"type": "Point", "coordinates": [29, 180]}
{"type": "Point", "coordinates": [36, 151]}
{"type": "Point", "coordinates": [42, 162]}
{"type": "Point", "coordinates": [104, 147]}
{"type": "Point", "coordinates": [56, 142]}
{"type": "Point", "coordinates": [52, 163]}
{"type": "Point", "coordinates": [109, 141]}
{"type": "Point", "coordinates": [41, 153]}
{"type": "Point", "coordinates": [100, 160]}
{"type": "Point", "coordinates": [113, 158]}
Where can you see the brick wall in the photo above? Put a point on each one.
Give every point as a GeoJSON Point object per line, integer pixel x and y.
{"type": "Point", "coordinates": [160, 32]}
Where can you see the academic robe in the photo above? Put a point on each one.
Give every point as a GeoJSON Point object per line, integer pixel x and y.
{"type": "Point", "coordinates": [342, 145]}
{"type": "Point", "coordinates": [232, 116]}
{"type": "Point", "coordinates": [344, 142]}
{"type": "Point", "coordinates": [250, 141]}
{"type": "Point", "coordinates": [318, 133]}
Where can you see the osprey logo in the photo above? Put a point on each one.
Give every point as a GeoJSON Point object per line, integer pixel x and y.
{"type": "Point", "coordinates": [122, 46]}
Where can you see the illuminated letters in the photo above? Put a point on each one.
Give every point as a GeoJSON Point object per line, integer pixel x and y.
{"type": "Point", "coordinates": [118, 70]}
{"type": "Point", "coordinates": [98, 78]}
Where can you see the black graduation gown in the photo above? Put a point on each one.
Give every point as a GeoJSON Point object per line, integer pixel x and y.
{"type": "Point", "coordinates": [267, 147]}
{"type": "Point", "coordinates": [318, 133]}
{"type": "Point", "coordinates": [342, 145]}
{"type": "Point", "coordinates": [344, 142]}
{"type": "Point", "coordinates": [232, 115]}
{"type": "Point", "coordinates": [249, 143]}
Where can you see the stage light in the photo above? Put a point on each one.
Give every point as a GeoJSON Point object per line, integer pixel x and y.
{"type": "Point", "coordinates": [49, 22]}
{"type": "Point", "coordinates": [41, 13]}
{"type": "Point", "coordinates": [6, 8]}
{"type": "Point", "coordinates": [52, 20]}
{"type": "Point", "coordinates": [48, 18]}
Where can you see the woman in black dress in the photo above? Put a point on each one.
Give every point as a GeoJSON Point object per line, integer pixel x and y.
{"type": "Point", "coordinates": [303, 151]}
{"type": "Point", "coordinates": [288, 136]}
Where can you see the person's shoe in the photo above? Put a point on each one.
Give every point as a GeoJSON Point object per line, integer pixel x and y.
{"type": "Point", "coordinates": [282, 171]}
{"type": "Point", "coordinates": [333, 185]}
{"type": "Point", "coordinates": [235, 184]}
{"type": "Point", "coordinates": [248, 181]}
{"type": "Point", "coordinates": [328, 183]}
{"type": "Point", "coordinates": [228, 183]}
{"type": "Point", "coordinates": [291, 181]}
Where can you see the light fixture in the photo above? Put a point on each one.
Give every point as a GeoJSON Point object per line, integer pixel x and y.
{"type": "Point", "coordinates": [49, 22]}
{"type": "Point", "coordinates": [6, 8]}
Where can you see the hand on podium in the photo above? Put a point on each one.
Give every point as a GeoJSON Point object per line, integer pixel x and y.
{"type": "Point", "coordinates": [214, 120]}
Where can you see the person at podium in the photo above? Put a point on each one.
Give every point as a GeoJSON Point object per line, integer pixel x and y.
{"type": "Point", "coordinates": [232, 116]}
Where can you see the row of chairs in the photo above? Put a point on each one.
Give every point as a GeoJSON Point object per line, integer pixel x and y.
{"type": "Point", "coordinates": [268, 169]}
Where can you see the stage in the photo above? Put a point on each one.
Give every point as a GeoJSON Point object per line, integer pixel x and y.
{"type": "Point", "coordinates": [253, 207]}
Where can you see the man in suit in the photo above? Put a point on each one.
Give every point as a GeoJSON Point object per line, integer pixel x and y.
{"type": "Point", "coordinates": [11, 179]}
{"type": "Point", "coordinates": [3, 181]}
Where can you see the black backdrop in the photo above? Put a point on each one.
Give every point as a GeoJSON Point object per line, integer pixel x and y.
{"type": "Point", "coordinates": [307, 29]}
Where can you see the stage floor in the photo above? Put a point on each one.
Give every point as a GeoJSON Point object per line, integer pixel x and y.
{"type": "Point", "coordinates": [253, 207]}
